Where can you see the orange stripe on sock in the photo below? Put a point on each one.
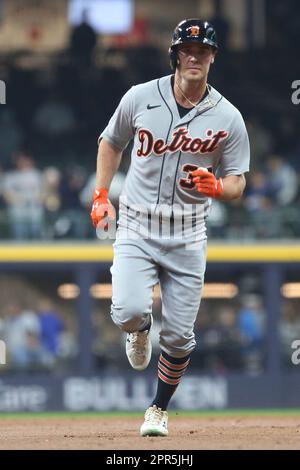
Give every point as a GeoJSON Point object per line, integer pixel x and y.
{"type": "Point", "coordinates": [168, 381]}
{"type": "Point", "coordinates": [173, 366]}
{"type": "Point", "coordinates": [169, 372]}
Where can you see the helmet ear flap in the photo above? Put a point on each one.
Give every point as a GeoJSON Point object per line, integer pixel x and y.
{"type": "Point", "coordinates": [173, 58]}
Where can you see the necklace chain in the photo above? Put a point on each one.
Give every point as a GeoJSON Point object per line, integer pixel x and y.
{"type": "Point", "coordinates": [193, 104]}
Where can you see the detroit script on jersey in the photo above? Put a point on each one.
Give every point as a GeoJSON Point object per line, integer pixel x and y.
{"type": "Point", "coordinates": [181, 140]}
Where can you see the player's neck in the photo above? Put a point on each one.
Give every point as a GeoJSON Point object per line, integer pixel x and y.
{"type": "Point", "coordinates": [188, 93]}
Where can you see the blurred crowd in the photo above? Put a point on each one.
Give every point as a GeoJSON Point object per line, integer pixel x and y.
{"type": "Point", "coordinates": [231, 336]}
{"type": "Point", "coordinates": [53, 203]}
{"type": "Point", "coordinates": [56, 109]}
{"type": "Point", "coordinates": [48, 204]}
{"type": "Point", "coordinates": [37, 339]}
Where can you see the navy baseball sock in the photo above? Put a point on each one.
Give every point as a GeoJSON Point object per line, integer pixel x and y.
{"type": "Point", "coordinates": [170, 371]}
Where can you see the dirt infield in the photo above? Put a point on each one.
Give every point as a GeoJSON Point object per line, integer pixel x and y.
{"type": "Point", "coordinates": [115, 433]}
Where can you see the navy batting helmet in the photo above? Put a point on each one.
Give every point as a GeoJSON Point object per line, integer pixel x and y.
{"type": "Point", "coordinates": [192, 30]}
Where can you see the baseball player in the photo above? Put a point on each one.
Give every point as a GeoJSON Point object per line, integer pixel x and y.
{"type": "Point", "coordinates": [190, 146]}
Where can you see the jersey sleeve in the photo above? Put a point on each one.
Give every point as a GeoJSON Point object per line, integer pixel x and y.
{"type": "Point", "coordinates": [120, 129]}
{"type": "Point", "coordinates": [236, 155]}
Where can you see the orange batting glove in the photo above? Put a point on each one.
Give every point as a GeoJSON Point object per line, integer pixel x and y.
{"type": "Point", "coordinates": [207, 184]}
{"type": "Point", "coordinates": [102, 209]}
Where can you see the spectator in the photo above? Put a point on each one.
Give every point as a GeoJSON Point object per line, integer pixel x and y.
{"type": "Point", "coordinates": [23, 194]}
{"type": "Point", "coordinates": [267, 220]}
{"type": "Point", "coordinates": [83, 41]}
{"type": "Point", "coordinates": [51, 198]}
{"type": "Point", "coordinates": [251, 326]}
{"type": "Point", "coordinates": [51, 329]}
{"type": "Point", "coordinates": [218, 340]}
{"type": "Point", "coordinates": [11, 135]}
{"type": "Point", "coordinates": [222, 26]}
{"type": "Point", "coordinates": [73, 220]}
{"type": "Point", "coordinates": [283, 180]}
{"type": "Point", "coordinates": [22, 337]}
{"type": "Point", "coordinates": [260, 138]}
{"type": "Point", "coordinates": [258, 189]}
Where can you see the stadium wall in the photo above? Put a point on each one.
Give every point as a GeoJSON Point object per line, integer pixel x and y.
{"type": "Point", "coordinates": [85, 390]}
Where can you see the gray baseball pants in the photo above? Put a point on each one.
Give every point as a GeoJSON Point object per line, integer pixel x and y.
{"type": "Point", "coordinates": [142, 263]}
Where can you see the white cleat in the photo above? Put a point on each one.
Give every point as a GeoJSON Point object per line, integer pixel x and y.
{"type": "Point", "coordinates": [156, 422]}
{"type": "Point", "coordinates": [139, 348]}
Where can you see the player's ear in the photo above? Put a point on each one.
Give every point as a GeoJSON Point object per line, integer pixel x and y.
{"type": "Point", "coordinates": [213, 57]}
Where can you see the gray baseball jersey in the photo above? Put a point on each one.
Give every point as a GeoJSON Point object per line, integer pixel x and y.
{"type": "Point", "coordinates": [166, 148]}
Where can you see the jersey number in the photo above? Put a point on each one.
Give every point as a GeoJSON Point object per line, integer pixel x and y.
{"type": "Point", "coordinates": [187, 183]}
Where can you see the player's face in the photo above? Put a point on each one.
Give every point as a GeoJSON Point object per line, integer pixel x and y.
{"type": "Point", "coordinates": [195, 60]}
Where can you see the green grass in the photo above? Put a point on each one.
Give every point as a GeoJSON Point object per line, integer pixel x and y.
{"type": "Point", "coordinates": [135, 414]}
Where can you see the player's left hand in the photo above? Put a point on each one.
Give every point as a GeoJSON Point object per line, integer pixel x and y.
{"type": "Point", "coordinates": [206, 183]}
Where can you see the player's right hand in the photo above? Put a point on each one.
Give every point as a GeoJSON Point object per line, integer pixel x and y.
{"type": "Point", "coordinates": [102, 209]}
